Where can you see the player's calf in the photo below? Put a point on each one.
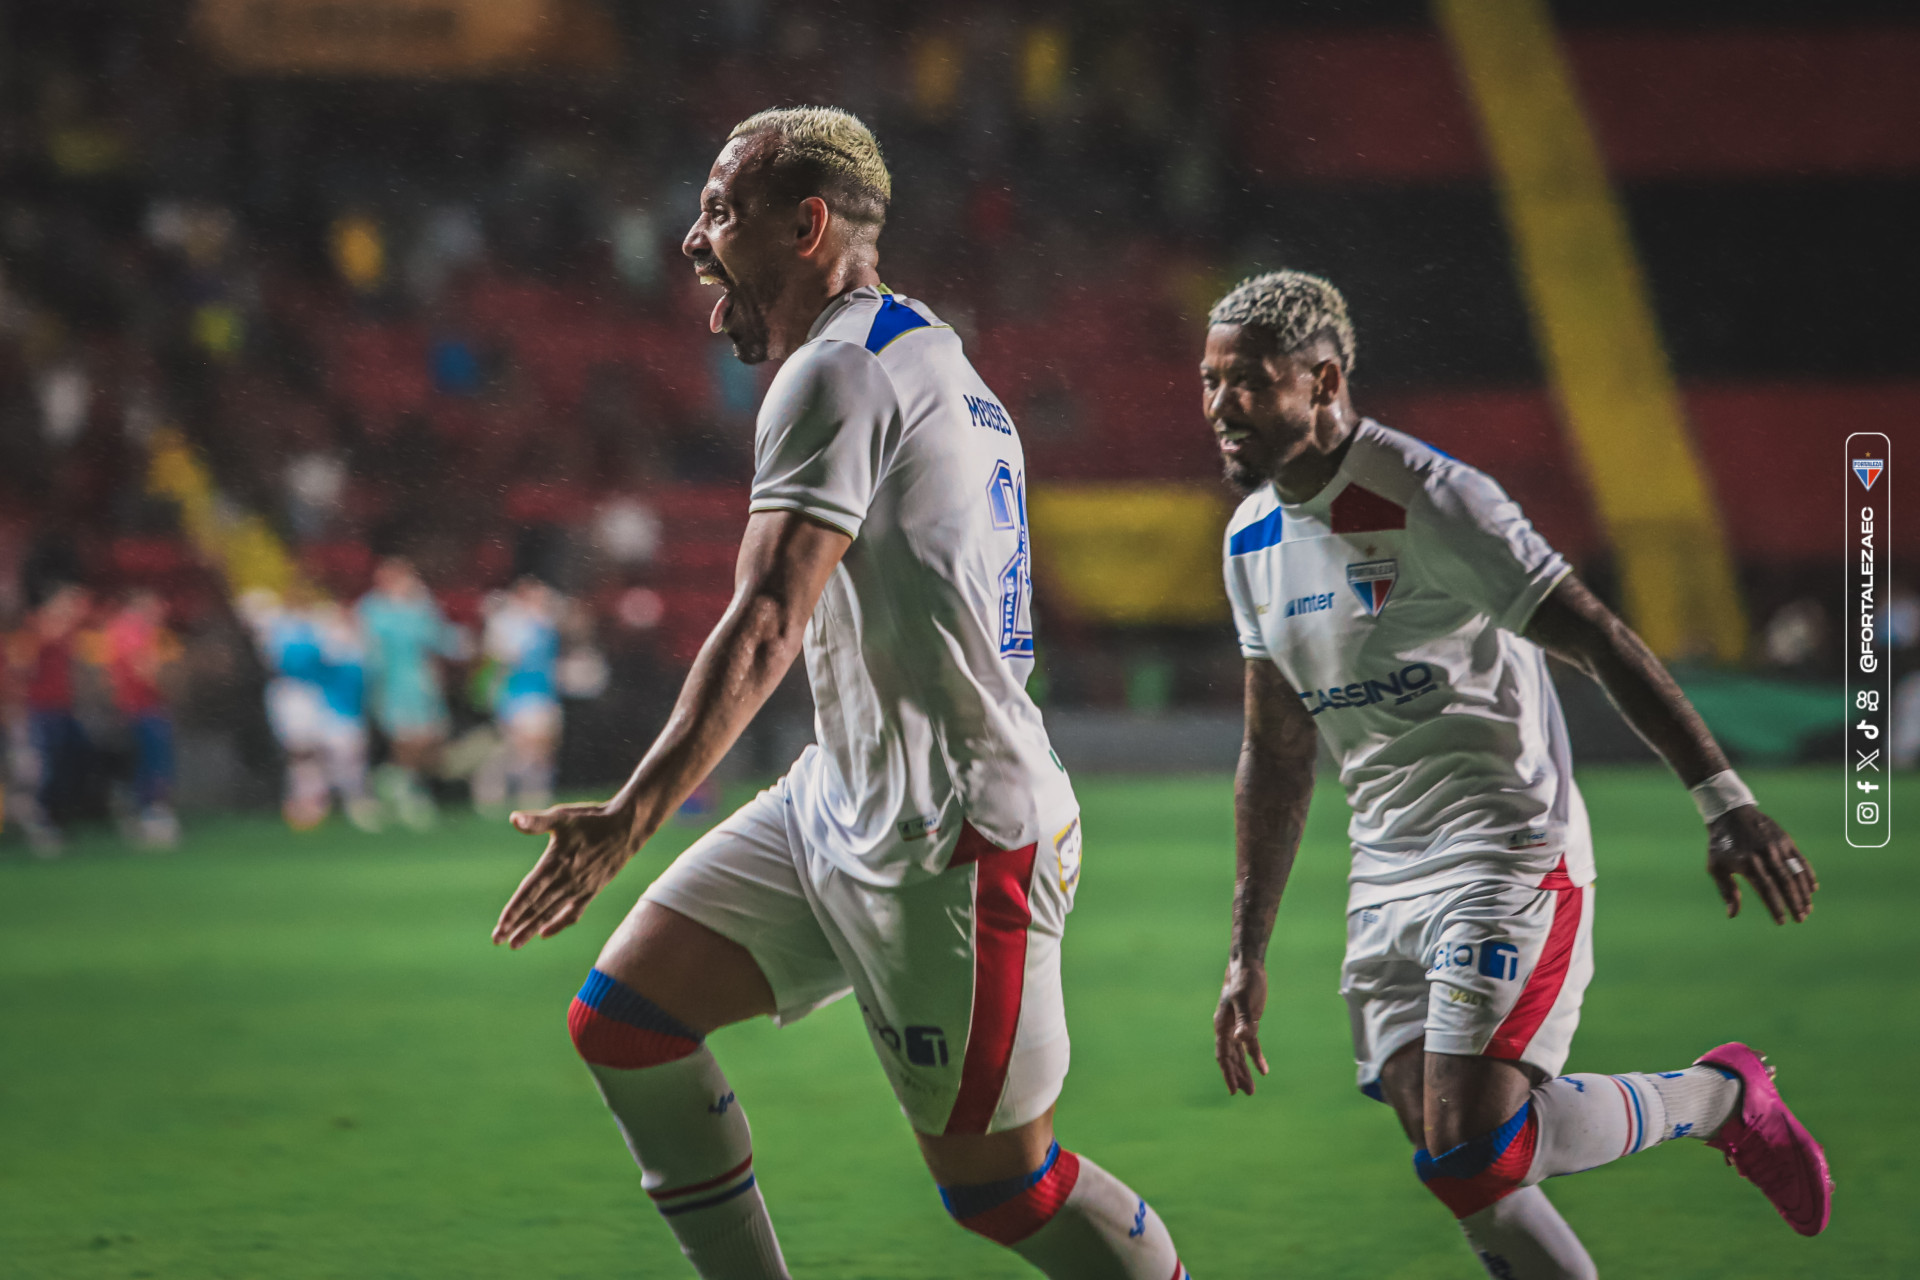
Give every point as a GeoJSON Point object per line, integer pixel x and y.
{"type": "Point", "coordinates": [684, 1126]}
{"type": "Point", "coordinates": [1070, 1218]}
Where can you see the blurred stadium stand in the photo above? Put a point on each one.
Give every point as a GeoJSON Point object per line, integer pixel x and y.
{"type": "Point", "coordinates": [405, 279]}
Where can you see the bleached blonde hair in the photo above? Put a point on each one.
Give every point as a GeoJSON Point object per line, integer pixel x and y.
{"type": "Point", "coordinates": [825, 152]}
{"type": "Point", "coordinates": [1294, 307]}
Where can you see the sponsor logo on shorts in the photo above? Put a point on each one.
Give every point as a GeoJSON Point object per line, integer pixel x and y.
{"type": "Point", "coordinates": [1493, 959]}
{"type": "Point", "coordinates": [918, 827]}
{"type": "Point", "coordinates": [921, 1046]}
{"type": "Point", "coordinates": [1066, 846]}
{"type": "Point", "coordinates": [1414, 680]}
{"type": "Point", "coordinates": [1456, 995]}
{"type": "Point", "coordinates": [1527, 838]}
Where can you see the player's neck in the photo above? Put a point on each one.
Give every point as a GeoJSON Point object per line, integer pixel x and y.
{"type": "Point", "coordinates": [1301, 477]}
{"type": "Point", "coordinates": [809, 300]}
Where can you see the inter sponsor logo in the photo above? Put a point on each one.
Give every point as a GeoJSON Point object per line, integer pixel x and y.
{"type": "Point", "coordinates": [986, 413]}
{"type": "Point", "coordinates": [1309, 604]}
{"type": "Point", "coordinates": [1404, 685]}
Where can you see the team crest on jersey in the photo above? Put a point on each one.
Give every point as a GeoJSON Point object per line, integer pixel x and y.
{"type": "Point", "coordinates": [1868, 469]}
{"type": "Point", "coordinates": [1372, 581]}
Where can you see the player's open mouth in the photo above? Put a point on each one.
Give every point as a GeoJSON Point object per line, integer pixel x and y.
{"type": "Point", "coordinates": [1233, 440]}
{"type": "Point", "coordinates": [718, 321]}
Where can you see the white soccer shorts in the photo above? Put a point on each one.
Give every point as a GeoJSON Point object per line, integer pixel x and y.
{"type": "Point", "coordinates": [1490, 968]}
{"type": "Point", "coordinates": [958, 975]}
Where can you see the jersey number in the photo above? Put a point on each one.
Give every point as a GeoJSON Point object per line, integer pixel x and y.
{"type": "Point", "coordinates": [1007, 499]}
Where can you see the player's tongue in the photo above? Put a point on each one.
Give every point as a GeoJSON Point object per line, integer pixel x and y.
{"type": "Point", "coordinates": [720, 310]}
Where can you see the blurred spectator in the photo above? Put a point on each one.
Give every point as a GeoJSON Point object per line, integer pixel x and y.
{"type": "Point", "coordinates": [406, 637]}
{"type": "Point", "coordinates": [523, 644]}
{"type": "Point", "coordinates": [41, 655]}
{"type": "Point", "coordinates": [136, 650]}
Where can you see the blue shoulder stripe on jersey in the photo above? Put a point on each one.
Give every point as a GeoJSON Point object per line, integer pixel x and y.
{"type": "Point", "coordinates": [1263, 532]}
{"type": "Point", "coordinates": [895, 318]}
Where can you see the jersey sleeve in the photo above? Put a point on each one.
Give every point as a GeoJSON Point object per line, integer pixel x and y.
{"type": "Point", "coordinates": [1485, 551]}
{"type": "Point", "coordinates": [827, 432]}
{"type": "Point", "coordinates": [1246, 620]}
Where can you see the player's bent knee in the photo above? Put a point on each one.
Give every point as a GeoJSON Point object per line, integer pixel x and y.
{"type": "Point", "coordinates": [1483, 1170]}
{"type": "Point", "coordinates": [1008, 1211]}
{"type": "Point", "coordinates": [615, 1026]}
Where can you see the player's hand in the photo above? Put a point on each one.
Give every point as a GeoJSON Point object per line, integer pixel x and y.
{"type": "Point", "coordinates": [1747, 842]}
{"type": "Point", "coordinates": [587, 844]}
{"type": "Point", "coordinates": [1236, 1025]}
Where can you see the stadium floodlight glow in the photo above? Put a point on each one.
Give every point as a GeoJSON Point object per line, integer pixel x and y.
{"type": "Point", "coordinates": [1869, 682]}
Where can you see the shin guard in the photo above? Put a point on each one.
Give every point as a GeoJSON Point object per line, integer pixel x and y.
{"type": "Point", "coordinates": [1483, 1170]}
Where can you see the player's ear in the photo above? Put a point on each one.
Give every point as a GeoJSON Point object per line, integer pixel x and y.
{"type": "Point", "coordinates": [810, 228]}
{"type": "Point", "coordinates": [1328, 378]}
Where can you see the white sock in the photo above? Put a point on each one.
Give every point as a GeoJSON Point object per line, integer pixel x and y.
{"type": "Point", "coordinates": [1103, 1232]}
{"type": "Point", "coordinates": [690, 1138]}
{"type": "Point", "coordinates": [1698, 1100]}
{"type": "Point", "coordinates": [1589, 1120]}
{"type": "Point", "coordinates": [1523, 1237]}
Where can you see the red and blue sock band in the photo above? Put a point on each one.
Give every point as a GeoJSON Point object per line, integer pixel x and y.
{"type": "Point", "coordinates": [1009, 1211]}
{"type": "Point", "coordinates": [1484, 1170]}
{"type": "Point", "coordinates": [736, 1181]}
{"type": "Point", "coordinates": [615, 1026]}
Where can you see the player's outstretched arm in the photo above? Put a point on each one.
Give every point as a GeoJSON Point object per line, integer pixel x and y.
{"type": "Point", "coordinates": [785, 561]}
{"type": "Point", "coordinates": [1575, 627]}
{"type": "Point", "coordinates": [1271, 791]}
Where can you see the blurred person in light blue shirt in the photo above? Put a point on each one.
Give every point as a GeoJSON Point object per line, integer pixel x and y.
{"type": "Point", "coordinates": [522, 640]}
{"type": "Point", "coordinates": [316, 702]}
{"type": "Point", "coordinates": [406, 639]}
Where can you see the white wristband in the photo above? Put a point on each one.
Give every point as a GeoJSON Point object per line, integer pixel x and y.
{"type": "Point", "coordinates": [1722, 793]}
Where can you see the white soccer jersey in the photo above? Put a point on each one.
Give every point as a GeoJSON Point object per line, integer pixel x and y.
{"type": "Point", "coordinates": [922, 642]}
{"type": "Point", "coordinates": [1393, 601]}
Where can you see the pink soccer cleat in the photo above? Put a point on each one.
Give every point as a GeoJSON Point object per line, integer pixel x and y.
{"type": "Point", "coordinates": [1769, 1147]}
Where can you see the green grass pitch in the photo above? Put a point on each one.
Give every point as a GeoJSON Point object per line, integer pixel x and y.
{"type": "Point", "coordinates": [288, 1056]}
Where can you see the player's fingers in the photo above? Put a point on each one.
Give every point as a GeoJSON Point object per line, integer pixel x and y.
{"type": "Point", "coordinates": [1759, 873]}
{"type": "Point", "coordinates": [538, 893]}
{"type": "Point", "coordinates": [1729, 892]}
{"type": "Point", "coordinates": [1251, 1039]}
{"type": "Point", "coordinates": [1801, 870]}
{"type": "Point", "coordinates": [533, 885]}
{"type": "Point", "coordinates": [569, 912]}
{"type": "Point", "coordinates": [1787, 871]}
{"type": "Point", "coordinates": [533, 821]}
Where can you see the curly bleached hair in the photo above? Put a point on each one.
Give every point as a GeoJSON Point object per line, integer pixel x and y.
{"type": "Point", "coordinates": [825, 152]}
{"type": "Point", "coordinates": [1294, 307]}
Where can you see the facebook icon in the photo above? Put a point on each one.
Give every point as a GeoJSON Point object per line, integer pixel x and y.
{"type": "Point", "coordinates": [1500, 960]}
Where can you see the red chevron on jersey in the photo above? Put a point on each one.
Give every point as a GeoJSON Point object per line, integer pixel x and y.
{"type": "Point", "coordinates": [1361, 510]}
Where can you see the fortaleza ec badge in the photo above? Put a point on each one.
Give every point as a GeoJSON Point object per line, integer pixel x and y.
{"type": "Point", "coordinates": [1372, 581]}
{"type": "Point", "coordinates": [1868, 469]}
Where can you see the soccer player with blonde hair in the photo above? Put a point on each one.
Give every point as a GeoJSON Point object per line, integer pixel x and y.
{"type": "Point", "coordinates": [1396, 607]}
{"type": "Point", "coordinates": [924, 855]}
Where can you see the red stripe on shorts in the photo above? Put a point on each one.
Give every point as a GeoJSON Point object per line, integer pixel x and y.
{"type": "Point", "coordinates": [1549, 972]}
{"type": "Point", "coordinates": [1000, 919]}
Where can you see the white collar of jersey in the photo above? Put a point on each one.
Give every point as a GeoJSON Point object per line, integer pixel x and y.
{"type": "Point", "coordinates": [839, 304]}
